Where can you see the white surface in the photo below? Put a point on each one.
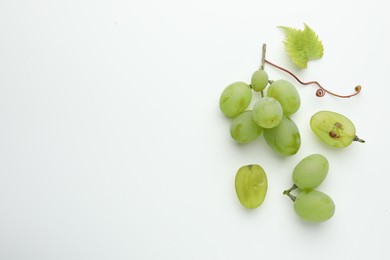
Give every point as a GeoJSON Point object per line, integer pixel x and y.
{"type": "Point", "coordinates": [112, 145]}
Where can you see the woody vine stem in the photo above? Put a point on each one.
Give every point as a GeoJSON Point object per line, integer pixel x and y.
{"type": "Point", "coordinates": [319, 93]}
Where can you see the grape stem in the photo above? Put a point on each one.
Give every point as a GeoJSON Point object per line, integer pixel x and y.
{"type": "Point", "coordinates": [263, 56]}
{"type": "Point", "coordinates": [321, 91]}
{"type": "Point", "coordinates": [288, 192]}
{"type": "Point", "coordinates": [263, 51]}
{"type": "Point", "coordinates": [357, 139]}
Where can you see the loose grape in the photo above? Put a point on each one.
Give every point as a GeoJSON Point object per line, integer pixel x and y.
{"type": "Point", "coordinates": [333, 129]}
{"type": "Point", "coordinates": [259, 80]}
{"type": "Point", "coordinates": [235, 98]}
{"type": "Point", "coordinates": [314, 206]}
{"type": "Point", "coordinates": [267, 112]}
{"type": "Point", "coordinates": [286, 94]}
{"type": "Point", "coordinates": [310, 172]}
{"type": "Point", "coordinates": [244, 129]}
{"type": "Point", "coordinates": [251, 185]}
{"type": "Point", "coordinates": [285, 138]}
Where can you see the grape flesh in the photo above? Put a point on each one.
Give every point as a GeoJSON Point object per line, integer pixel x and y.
{"type": "Point", "coordinates": [235, 98]}
{"type": "Point", "coordinates": [314, 206]}
{"type": "Point", "coordinates": [285, 138]}
{"type": "Point", "coordinates": [287, 95]}
{"type": "Point", "coordinates": [259, 80]}
{"type": "Point", "coordinates": [310, 172]}
{"type": "Point", "coordinates": [267, 112]}
{"type": "Point", "coordinates": [333, 128]}
{"type": "Point", "coordinates": [251, 185]}
{"type": "Point", "coordinates": [244, 129]}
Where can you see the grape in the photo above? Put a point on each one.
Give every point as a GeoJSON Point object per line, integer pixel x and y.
{"type": "Point", "coordinates": [251, 185]}
{"type": "Point", "coordinates": [310, 172]}
{"type": "Point", "coordinates": [285, 138]}
{"type": "Point", "coordinates": [244, 129]}
{"type": "Point", "coordinates": [259, 80]}
{"type": "Point", "coordinates": [235, 98]}
{"type": "Point", "coordinates": [267, 112]}
{"type": "Point", "coordinates": [314, 206]}
{"type": "Point", "coordinates": [333, 129]}
{"type": "Point", "coordinates": [286, 94]}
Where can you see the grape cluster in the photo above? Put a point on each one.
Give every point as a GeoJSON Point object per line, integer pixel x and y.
{"type": "Point", "coordinates": [310, 204]}
{"type": "Point", "coordinates": [269, 115]}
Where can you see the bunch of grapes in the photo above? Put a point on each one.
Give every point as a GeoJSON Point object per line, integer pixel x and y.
{"type": "Point", "coordinates": [269, 115]}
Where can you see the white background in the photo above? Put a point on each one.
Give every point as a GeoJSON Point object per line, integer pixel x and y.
{"type": "Point", "coordinates": [112, 145]}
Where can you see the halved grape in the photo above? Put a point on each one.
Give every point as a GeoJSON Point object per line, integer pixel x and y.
{"type": "Point", "coordinates": [235, 98]}
{"type": "Point", "coordinates": [244, 129]}
{"type": "Point", "coordinates": [286, 94]}
{"type": "Point", "coordinates": [310, 172]}
{"type": "Point", "coordinates": [285, 138]}
{"type": "Point", "coordinates": [267, 112]}
{"type": "Point", "coordinates": [314, 206]}
{"type": "Point", "coordinates": [333, 129]}
{"type": "Point", "coordinates": [259, 80]}
{"type": "Point", "coordinates": [251, 185]}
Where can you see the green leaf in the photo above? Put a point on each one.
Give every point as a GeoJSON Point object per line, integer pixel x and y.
{"type": "Point", "coordinates": [302, 45]}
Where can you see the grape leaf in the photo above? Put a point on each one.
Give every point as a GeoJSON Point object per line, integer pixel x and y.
{"type": "Point", "coordinates": [302, 45]}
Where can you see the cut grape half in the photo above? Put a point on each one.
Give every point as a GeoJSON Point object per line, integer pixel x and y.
{"type": "Point", "coordinates": [334, 129]}
{"type": "Point", "coordinates": [251, 185]}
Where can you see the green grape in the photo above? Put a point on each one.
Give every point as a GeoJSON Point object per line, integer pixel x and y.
{"type": "Point", "coordinates": [259, 80]}
{"type": "Point", "coordinates": [310, 172]}
{"type": "Point", "coordinates": [235, 98]}
{"type": "Point", "coordinates": [267, 112]}
{"type": "Point", "coordinates": [251, 185]}
{"type": "Point", "coordinates": [285, 138]}
{"type": "Point", "coordinates": [286, 94]}
{"type": "Point", "coordinates": [334, 129]}
{"type": "Point", "coordinates": [244, 129]}
{"type": "Point", "coordinates": [314, 206]}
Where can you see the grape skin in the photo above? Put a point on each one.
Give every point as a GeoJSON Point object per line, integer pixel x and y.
{"type": "Point", "coordinates": [235, 98]}
{"type": "Point", "coordinates": [310, 172]}
{"type": "Point", "coordinates": [244, 129]}
{"type": "Point", "coordinates": [314, 206]}
{"type": "Point", "coordinates": [251, 185]}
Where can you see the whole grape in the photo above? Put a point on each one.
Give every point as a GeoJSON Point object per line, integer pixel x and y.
{"type": "Point", "coordinates": [244, 129]}
{"type": "Point", "coordinates": [285, 138]}
{"type": "Point", "coordinates": [235, 98]}
{"type": "Point", "coordinates": [267, 112]}
{"type": "Point", "coordinates": [259, 80]}
{"type": "Point", "coordinates": [286, 94]}
{"type": "Point", "coordinates": [310, 172]}
{"type": "Point", "coordinates": [314, 206]}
